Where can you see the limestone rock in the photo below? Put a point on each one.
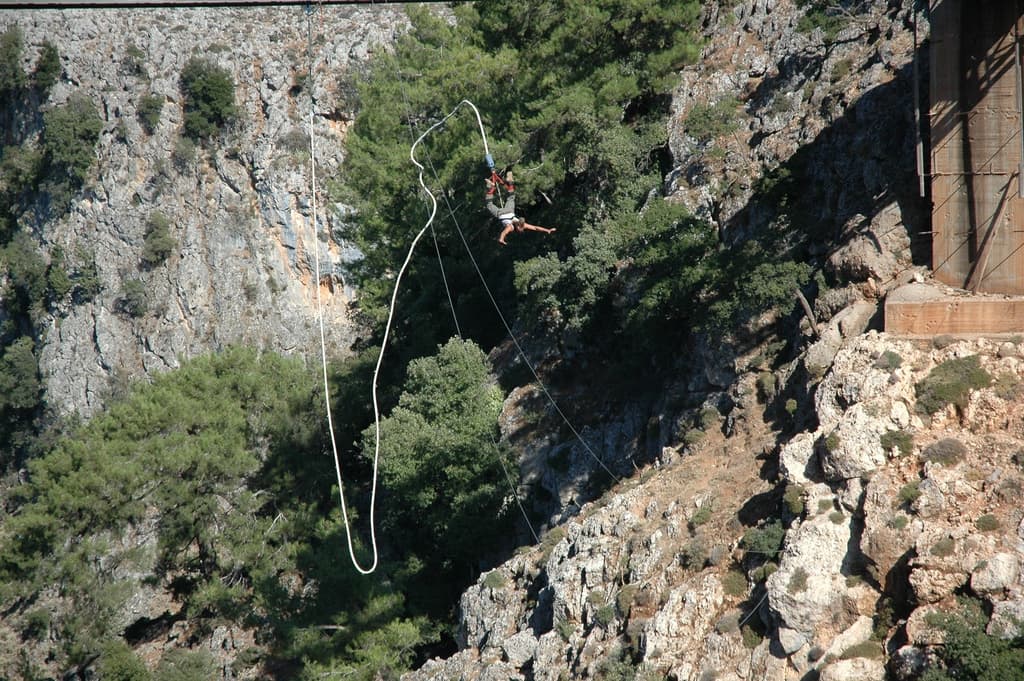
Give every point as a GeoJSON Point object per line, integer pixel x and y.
{"type": "Point", "coordinates": [809, 583]}
{"type": "Point", "coordinates": [242, 270]}
{"type": "Point", "coordinates": [1006, 618]}
{"type": "Point", "coordinates": [689, 615]}
{"type": "Point", "coordinates": [855, 669]}
{"type": "Point", "coordinates": [798, 461]}
{"type": "Point", "coordinates": [854, 447]}
{"type": "Point", "coordinates": [909, 662]}
{"type": "Point", "coordinates": [519, 648]}
{"type": "Point", "coordinates": [889, 534]}
{"type": "Point", "coordinates": [996, 574]}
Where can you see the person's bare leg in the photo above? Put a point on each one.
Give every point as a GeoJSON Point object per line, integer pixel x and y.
{"type": "Point", "coordinates": [504, 233]}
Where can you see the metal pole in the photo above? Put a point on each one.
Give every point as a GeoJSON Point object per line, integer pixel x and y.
{"type": "Point", "coordinates": [919, 143]}
{"type": "Point", "coordinates": [1020, 100]}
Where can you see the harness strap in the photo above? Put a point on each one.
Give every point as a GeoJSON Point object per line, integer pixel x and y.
{"type": "Point", "coordinates": [498, 179]}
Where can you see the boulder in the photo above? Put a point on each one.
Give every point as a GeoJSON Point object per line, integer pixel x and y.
{"type": "Point", "coordinates": [854, 669]}
{"type": "Point", "coordinates": [996, 574]}
{"type": "Point", "coordinates": [854, 447]}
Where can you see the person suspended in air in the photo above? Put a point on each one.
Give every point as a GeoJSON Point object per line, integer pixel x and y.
{"type": "Point", "coordinates": [506, 214]}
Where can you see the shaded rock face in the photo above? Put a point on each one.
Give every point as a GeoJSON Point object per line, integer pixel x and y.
{"type": "Point", "coordinates": [242, 269]}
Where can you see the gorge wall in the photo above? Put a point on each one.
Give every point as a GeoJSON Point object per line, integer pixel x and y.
{"type": "Point", "coordinates": [241, 269]}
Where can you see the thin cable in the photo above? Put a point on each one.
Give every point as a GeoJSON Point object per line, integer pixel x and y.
{"type": "Point", "coordinates": [323, 341]}
{"type": "Point", "coordinates": [494, 302]}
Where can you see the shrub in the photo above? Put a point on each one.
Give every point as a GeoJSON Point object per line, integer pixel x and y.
{"type": "Point", "coordinates": [158, 243]}
{"type": "Point", "coordinates": [548, 543]}
{"type": "Point", "coordinates": [565, 629]}
{"type": "Point", "coordinates": [70, 132]}
{"type": "Point", "coordinates": [987, 523]}
{"type": "Point", "coordinates": [898, 522]}
{"type": "Point", "coordinates": [118, 662]}
{"type": "Point", "coordinates": [618, 666]}
{"type": "Point", "coordinates": [766, 385]}
{"type": "Point", "coordinates": [765, 540]}
{"type": "Point", "coordinates": [791, 406]}
{"type": "Point", "coordinates": [951, 383]}
{"type": "Point", "coordinates": [295, 142]}
{"type": "Point", "coordinates": [832, 441]}
{"type": "Point", "coordinates": [910, 492]}
{"type": "Point", "coordinates": [149, 110]}
{"type": "Point", "coordinates": [868, 649]}
{"type": "Point", "coordinates": [764, 572]}
{"type": "Point", "coordinates": [898, 439]}
{"type": "Point", "coordinates": [134, 299]}
{"type": "Point", "coordinates": [134, 62]}
{"type": "Point", "coordinates": [694, 554]}
{"type": "Point", "coordinates": [946, 451]}
{"type": "Point", "coordinates": [943, 547]}
{"type": "Point", "coordinates": [626, 596]}
{"type": "Point", "coordinates": [970, 654]}
{"type": "Point", "coordinates": [37, 623]}
{"type": "Point", "coordinates": [48, 67]}
{"type": "Point", "coordinates": [797, 581]}
{"type": "Point", "coordinates": [1008, 386]}
{"type": "Point", "coordinates": [209, 98]}
{"type": "Point", "coordinates": [184, 153]}
{"type": "Point", "coordinates": [793, 497]}
{"type": "Point", "coordinates": [837, 517]}
{"type": "Point", "coordinates": [604, 615]}
{"type": "Point", "coordinates": [701, 515]}
{"type": "Point", "coordinates": [751, 637]}
{"type": "Point", "coordinates": [495, 579]}
{"type": "Point", "coordinates": [735, 583]}
{"type": "Point", "coordinates": [12, 75]}
{"type": "Point", "coordinates": [824, 15]}
{"type": "Point", "coordinates": [888, 360]}
{"type": "Point", "coordinates": [709, 417]}
{"type": "Point", "coordinates": [705, 122]}
{"type": "Point", "coordinates": [693, 436]}
{"type": "Point", "coordinates": [86, 278]}
{"type": "Point", "coordinates": [58, 280]}
{"type": "Point", "coordinates": [185, 665]}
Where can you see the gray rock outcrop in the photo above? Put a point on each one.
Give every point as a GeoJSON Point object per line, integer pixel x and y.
{"type": "Point", "coordinates": [240, 213]}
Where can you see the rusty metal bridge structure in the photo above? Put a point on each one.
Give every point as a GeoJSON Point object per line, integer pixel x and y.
{"type": "Point", "coordinates": [976, 165]}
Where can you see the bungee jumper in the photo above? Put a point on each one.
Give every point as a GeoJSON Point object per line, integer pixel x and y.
{"type": "Point", "coordinates": [506, 214]}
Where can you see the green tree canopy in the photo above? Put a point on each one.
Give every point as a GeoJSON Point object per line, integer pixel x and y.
{"type": "Point", "coordinates": [574, 94]}
{"type": "Point", "coordinates": [69, 135]}
{"type": "Point", "coordinates": [12, 73]}
{"type": "Point", "coordinates": [209, 98]}
{"type": "Point", "coordinates": [440, 459]}
{"type": "Point", "coordinates": [48, 67]}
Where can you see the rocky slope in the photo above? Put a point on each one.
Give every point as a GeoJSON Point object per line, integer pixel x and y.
{"type": "Point", "coordinates": [891, 512]}
{"type": "Point", "coordinates": [241, 270]}
{"type": "Point", "coordinates": [680, 571]}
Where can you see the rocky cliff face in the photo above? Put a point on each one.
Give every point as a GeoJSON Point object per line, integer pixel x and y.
{"type": "Point", "coordinates": [240, 213]}
{"type": "Point", "coordinates": [891, 508]}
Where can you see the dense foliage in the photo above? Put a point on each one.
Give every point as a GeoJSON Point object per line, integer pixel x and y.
{"type": "Point", "coordinates": [971, 654]}
{"type": "Point", "coordinates": [209, 98]}
{"type": "Point", "coordinates": [223, 464]}
{"type": "Point", "coordinates": [439, 455]}
{"type": "Point", "coordinates": [575, 96]}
